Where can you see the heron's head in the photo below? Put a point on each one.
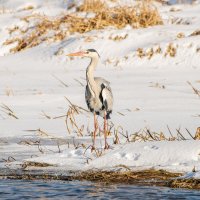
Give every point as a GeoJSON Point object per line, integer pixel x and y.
{"type": "Point", "coordinates": [90, 53]}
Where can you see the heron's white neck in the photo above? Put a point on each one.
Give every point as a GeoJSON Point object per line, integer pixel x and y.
{"type": "Point", "coordinates": [90, 76]}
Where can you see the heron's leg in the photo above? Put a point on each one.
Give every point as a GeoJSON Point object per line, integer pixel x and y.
{"type": "Point", "coordinates": [105, 131]}
{"type": "Point", "coordinates": [95, 129]}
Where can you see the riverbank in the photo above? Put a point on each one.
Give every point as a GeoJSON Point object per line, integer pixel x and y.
{"type": "Point", "coordinates": [160, 178]}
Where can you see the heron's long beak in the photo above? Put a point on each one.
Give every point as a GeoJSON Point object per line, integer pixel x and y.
{"type": "Point", "coordinates": [80, 53]}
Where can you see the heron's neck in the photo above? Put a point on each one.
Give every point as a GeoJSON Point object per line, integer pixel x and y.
{"type": "Point", "coordinates": [90, 76]}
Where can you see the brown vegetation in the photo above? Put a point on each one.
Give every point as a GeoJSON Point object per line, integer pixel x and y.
{"type": "Point", "coordinates": [185, 183]}
{"type": "Point", "coordinates": [141, 15]}
{"type": "Point", "coordinates": [158, 177]}
{"type": "Point", "coordinates": [144, 177]}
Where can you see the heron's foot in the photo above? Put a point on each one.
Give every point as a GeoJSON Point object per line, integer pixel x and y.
{"type": "Point", "coordinates": [93, 148]}
{"type": "Point", "coordinates": [107, 146]}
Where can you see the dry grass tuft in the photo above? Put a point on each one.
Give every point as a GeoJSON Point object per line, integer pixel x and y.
{"type": "Point", "coordinates": [92, 6]}
{"type": "Point", "coordinates": [195, 33]}
{"type": "Point", "coordinates": [118, 37]}
{"type": "Point", "coordinates": [180, 35]}
{"type": "Point", "coordinates": [171, 50]}
{"type": "Point", "coordinates": [35, 164]}
{"type": "Point", "coordinates": [30, 7]}
{"type": "Point", "coordinates": [197, 135]}
{"type": "Point", "coordinates": [9, 91]}
{"type": "Point", "coordinates": [147, 135]}
{"type": "Point", "coordinates": [50, 29]}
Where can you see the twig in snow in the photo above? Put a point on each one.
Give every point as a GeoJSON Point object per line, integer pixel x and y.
{"type": "Point", "coordinates": [121, 113]}
{"type": "Point", "coordinates": [61, 116]}
{"type": "Point", "coordinates": [79, 82]}
{"type": "Point", "coordinates": [170, 132]}
{"type": "Point", "coordinates": [40, 148]}
{"type": "Point", "coordinates": [178, 131]}
{"type": "Point", "coordinates": [116, 139]}
{"type": "Point", "coordinates": [194, 89]}
{"type": "Point", "coordinates": [190, 134]}
{"type": "Point", "coordinates": [59, 151]}
{"type": "Point", "coordinates": [8, 111]}
{"type": "Point", "coordinates": [148, 131]}
{"type": "Point", "coordinates": [63, 83]}
{"type": "Point", "coordinates": [75, 106]}
{"type": "Point", "coordinates": [47, 116]}
{"type": "Point", "coordinates": [9, 159]}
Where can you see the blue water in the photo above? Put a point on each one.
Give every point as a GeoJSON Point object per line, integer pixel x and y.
{"type": "Point", "coordinates": [22, 189]}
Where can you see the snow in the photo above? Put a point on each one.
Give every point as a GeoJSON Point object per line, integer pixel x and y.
{"type": "Point", "coordinates": [172, 156]}
{"type": "Point", "coordinates": [148, 93]}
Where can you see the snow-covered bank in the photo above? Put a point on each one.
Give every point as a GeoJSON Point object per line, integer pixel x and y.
{"type": "Point", "coordinates": [175, 156]}
{"type": "Point", "coordinates": [149, 70]}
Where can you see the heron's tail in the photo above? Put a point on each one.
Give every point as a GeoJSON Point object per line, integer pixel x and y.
{"type": "Point", "coordinates": [108, 114]}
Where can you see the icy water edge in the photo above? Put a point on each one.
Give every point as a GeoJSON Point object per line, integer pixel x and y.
{"type": "Point", "coordinates": [26, 189]}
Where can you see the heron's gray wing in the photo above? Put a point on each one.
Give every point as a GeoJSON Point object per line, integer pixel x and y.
{"type": "Point", "coordinates": [106, 97]}
{"type": "Point", "coordinates": [87, 96]}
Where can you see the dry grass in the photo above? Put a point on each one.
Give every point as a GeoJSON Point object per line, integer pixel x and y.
{"type": "Point", "coordinates": [196, 91]}
{"type": "Point", "coordinates": [35, 164]}
{"type": "Point", "coordinates": [141, 15]}
{"type": "Point", "coordinates": [197, 135]}
{"type": "Point", "coordinates": [8, 111]}
{"type": "Point", "coordinates": [118, 133]}
{"type": "Point", "coordinates": [147, 135]}
{"type": "Point", "coordinates": [180, 35]}
{"type": "Point", "coordinates": [170, 50]}
{"type": "Point", "coordinates": [118, 37]}
{"type": "Point", "coordinates": [148, 53]}
{"type": "Point", "coordinates": [195, 33]}
{"type": "Point", "coordinates": [158, 177]}
{"type": "Point", "coordinates": [185, 183]}
{"type": "Point", "coordinates": [144, 177]}
{"type": "Point", "coordinates": [9, 91]}
{"type": "Point", "coordinates": [92, 6]}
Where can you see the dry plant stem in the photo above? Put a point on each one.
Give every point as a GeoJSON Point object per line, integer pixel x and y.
{"type": "Point", "coordinates": [194, 89]}
{"type": "Point", "coordinates": [62, 82]}
{"type": "Point", "coordinates": [190, 134]}
{"type": "Point", "coordinates": [178, 131]}
{"type": "Point", "coordinates": [8, 111]}
{"type": "Point", "coordinates": [170, 131]}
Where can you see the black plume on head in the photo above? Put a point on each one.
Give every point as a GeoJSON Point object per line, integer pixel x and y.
{"type": "Point", "coordinates": [93, 50]}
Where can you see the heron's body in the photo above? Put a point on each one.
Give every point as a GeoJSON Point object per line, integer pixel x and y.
{"type": "Point", "coordinates": [98, 94]}
{"type": "Point", "coordinates": [102, 101]}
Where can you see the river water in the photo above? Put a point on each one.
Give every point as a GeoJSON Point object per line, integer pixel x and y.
{"type": "Point", "coordinates": [44, 190]}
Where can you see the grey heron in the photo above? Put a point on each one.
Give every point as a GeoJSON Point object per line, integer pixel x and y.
{"type": "Point", "coordinates": [98, 93]}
